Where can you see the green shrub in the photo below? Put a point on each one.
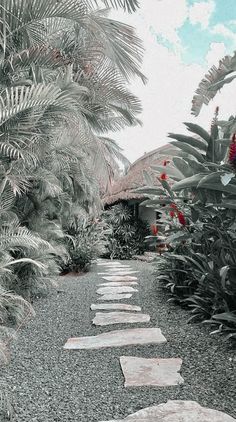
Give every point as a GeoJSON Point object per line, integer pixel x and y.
{"type": "Point", "coordinates": [127, 234]}
{"type": "Point", "coordinates": [86, 241]}
{"type": "Point", "coordinates": [196, 199]}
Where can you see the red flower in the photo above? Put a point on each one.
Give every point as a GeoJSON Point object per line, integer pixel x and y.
{"type": "Point", "coordinates": [172, 214]}
{"type": "Point", "coordinates": [154, 229]}
{"type": "Point", "coordinates": [181, 218]}
{"type": "Point", "coordinates": [232, 151]}
{"type": "Point", "coordinates": [163, 176]}
{"type": "Point", "coordinates": [174, 206]}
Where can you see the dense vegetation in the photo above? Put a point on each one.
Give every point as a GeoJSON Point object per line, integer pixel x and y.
{"type": "Point", "coordinates": [126, 233]}
{"type": "Point", "coordinates": [196, 197]}
{"type": "Point", "coordinates": [64, 70]}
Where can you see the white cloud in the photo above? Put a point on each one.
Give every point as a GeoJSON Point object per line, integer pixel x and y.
{"type": "Point", "coordinates": [167, 97]}
{"type": "Point", "coordinates": [200, 13]}
{"type": "Point", "coordinates": [221, 29]}
{"type": "Point", "coordinates": [216, 51]}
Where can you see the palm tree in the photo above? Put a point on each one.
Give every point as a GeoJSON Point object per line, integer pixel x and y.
{"type": "Point", "coordinates": [64, 73]}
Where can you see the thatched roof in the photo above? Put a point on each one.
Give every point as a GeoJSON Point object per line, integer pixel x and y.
{"type": "Point", "coordinates": [121, 189]}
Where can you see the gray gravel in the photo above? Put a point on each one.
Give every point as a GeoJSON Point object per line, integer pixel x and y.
{"type": "Point", "coordinates": [49, 384]}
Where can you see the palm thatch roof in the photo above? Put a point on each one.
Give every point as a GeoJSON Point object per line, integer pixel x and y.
{"type": "Point", "coordinates": [122, 189]}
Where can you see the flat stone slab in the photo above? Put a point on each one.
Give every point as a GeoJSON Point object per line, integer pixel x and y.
{"type": "Point", "coordinates": [119, 283]}
{"type": "Point", "coordinates": [115, 290]}
{"type": "Point", "coordinates": [117, 338]}
{"type": "Point", "coordinates": [115, 296]}
{"type": "Point", "coordinates": [115, 306]}
{"type": "Point", "coordinates": [120, 278]}
{"type": "Point", "coordinates": [152, 372]}
{"type": "Point", "coordinates": [177, 411]}
{"type": "Point", "coordinates": [116, 273]}
{"type": "Point", "coordinates": [105, 263]}
{"type": "Point", "coordinates": [109, 318]}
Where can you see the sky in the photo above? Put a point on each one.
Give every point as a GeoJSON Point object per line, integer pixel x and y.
{"type": "Point", "coordinates": [182, 40]}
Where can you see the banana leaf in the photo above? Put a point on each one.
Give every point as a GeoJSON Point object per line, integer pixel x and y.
{"type": "Point", "coordinates": [189, 150]}
{"type": "Point", "coordinates": [190, 182]}
{"type": "Point", "coordinates": [198, 130]}
{"type": "Point", "coordinates": [194, 142]}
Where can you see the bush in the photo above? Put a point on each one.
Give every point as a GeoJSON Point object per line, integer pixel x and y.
{"type": "Point", "coordinates": [127, 234]}
{"type": "Point", "coordinates": [86, 241]}
{"type": "Point", "coordinates": [196, 198]}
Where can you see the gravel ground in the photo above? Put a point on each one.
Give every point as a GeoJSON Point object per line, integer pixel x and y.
{"type": "Point", "coordinates": [50, 384]}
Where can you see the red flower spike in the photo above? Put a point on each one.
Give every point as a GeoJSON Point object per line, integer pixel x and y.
{"type": "Point", "coordinates": [174, 206]}
{"type": "Point", "coordinates": [163, 176]}
{"type": "Point", "coordinates": [232, 151]}
{"type": "Point", "coordinates": [181, 218]}
{"type": "Point", "coordinates": [154, 229]}
{"type": "Point", "coordinates": [172, 214]}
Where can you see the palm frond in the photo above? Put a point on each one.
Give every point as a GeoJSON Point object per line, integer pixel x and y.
{"type": "Point", "coordinates": [128, 5]}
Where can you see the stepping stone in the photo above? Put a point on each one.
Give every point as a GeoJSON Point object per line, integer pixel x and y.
{"type": "Point", "coordinates": [120, 278]}
{"type": "Point", "coordinates": [117, 273]}
{"type": "Point", "coordinates": [118, 338]}
{"type": "Point", "coordinates": [109, 318]}
{"type": "Point", "coordinates": [116, 296]}
{"type": "Point", "coordinates": [114, 306]}
{"type": "Point", "coordinates": [109, 263]}
{"type": "Point", "coordinates": [157, 372]}
{"type": "Point", "coordinates": [115, 290]}
{"type": "Point", "coordinates": [177, 411]}
{"type": "Point", "coordinates": [119, 283]}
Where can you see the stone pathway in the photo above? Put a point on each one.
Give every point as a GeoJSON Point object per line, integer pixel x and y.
{"type": "Point", "coordinates": [138, 371]}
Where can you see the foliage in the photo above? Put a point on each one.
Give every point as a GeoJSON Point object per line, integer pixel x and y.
{"type": "Point", "coordinates": [197, 201]}
{"type": "Point", "coordinates": [86, 241]}
{"type": "Point", "coordinates": [127, 234]}
{"type": "Point", "coordinates": [64, 71]}
{"type": "Point", "coordinates": [213, 81]}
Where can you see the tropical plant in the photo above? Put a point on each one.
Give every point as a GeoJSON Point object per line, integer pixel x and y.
{"type": "Point", "coordinates": [64, 70]}
{"type": "Point", "coordinates": [196, 199]}
{"type": "Point", "coordinates": [86, 241]}
{"type": "Point", "coordinates": [127, 234]}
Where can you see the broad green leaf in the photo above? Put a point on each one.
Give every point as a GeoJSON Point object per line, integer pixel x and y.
{"type": "Point", "coordinates": [230, 188]}
{"type": "Point", "coordinates": [189, 182]}
{"type": "Point", "coordinates": [189, 150]}
{"type": "Point", "coordinates": [211, 177]}
{"type": "Point", "coordinates": [194, 142]}
{"type": "Point", "coordinates": [224, 141]}
{"type": "Point", "coordinates": [198, 130]}
{"type": "Point", "coordinates": [230, 204]}
{"type": "Point", "coordinates": [183, 166]}
{"type": "Point", "coordinates": [196, 166]}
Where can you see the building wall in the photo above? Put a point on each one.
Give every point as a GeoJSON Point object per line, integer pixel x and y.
{"type": "Point", "coordinates": [147, 214]}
